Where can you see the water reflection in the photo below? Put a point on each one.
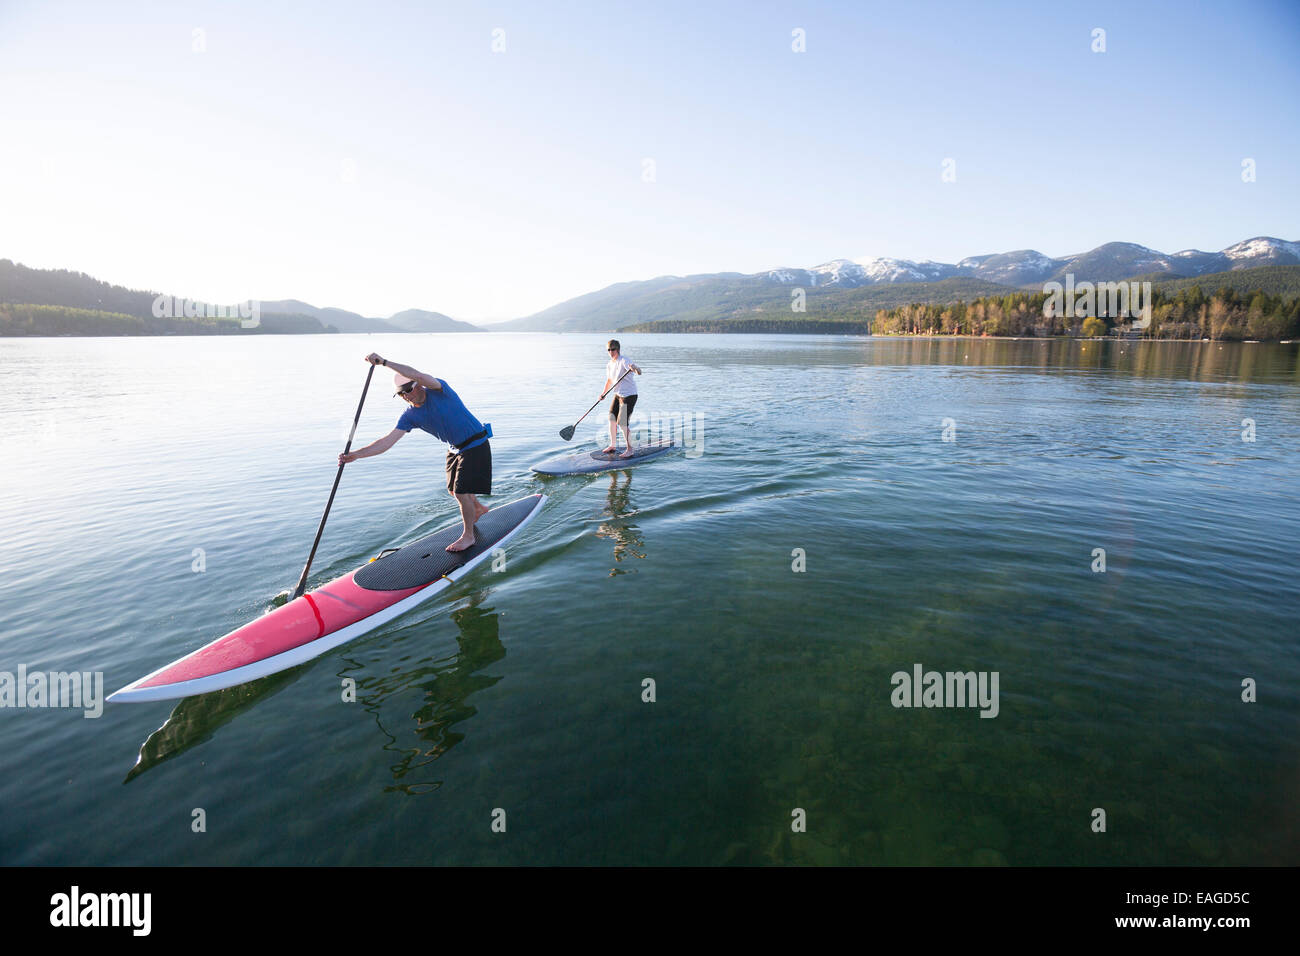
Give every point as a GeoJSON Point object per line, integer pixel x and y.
{"type": "Point", "coordinates": [1198, 361]}
{"type": "Point", "coordinates": [196, 719]}
{"type": "Point", "coordinates": [628, 542]}
{"type": "Point", "coordinates": [1201, 361]}
{"type": "Point", "coordinates": [443, 686]}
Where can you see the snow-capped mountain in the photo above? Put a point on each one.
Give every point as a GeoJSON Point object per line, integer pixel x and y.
{"type": "Point", "coordinates": [839, 272]}
{"type": "Point", "coordinates": [1010, 268]}
{"type": "Point", "coordinates": [849, 274]}
{"type": "Point", "coordinates": [1260, 251]}
{"type": "Point", "coordinates": [725, 295]}
{"type": "Point", "coordinates": [1193, 262]}
{"type": "Point", "coordinates": [1110, 262]}
{"type": "Point", "coordinates": [904, 270]}
{"type": "Point", "coordinates": [1263, 251]}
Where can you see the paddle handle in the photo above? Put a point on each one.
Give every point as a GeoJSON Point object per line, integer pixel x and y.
{"type": "Point", "coordinates": [302, 581]}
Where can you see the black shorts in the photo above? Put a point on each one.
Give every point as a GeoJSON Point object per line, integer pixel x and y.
{"type": "Point", "coordinates": [629, 403]}
{"type": "Point", "coordinates": [470, 472]}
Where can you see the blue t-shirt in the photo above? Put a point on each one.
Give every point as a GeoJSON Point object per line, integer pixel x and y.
{"type": "Point", "coordinates": [444, 416]}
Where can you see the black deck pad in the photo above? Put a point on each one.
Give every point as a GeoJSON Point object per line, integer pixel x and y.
{"type": "Point", "coordinates": [426, 560]}
{"type": "Point", "coordinates": [639, 452]}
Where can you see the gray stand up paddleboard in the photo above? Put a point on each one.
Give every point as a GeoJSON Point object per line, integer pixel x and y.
{"type": "Point", "coordinates": [589, 462]}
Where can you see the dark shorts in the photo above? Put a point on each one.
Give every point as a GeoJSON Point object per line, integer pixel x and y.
{"type": "Point", "coordinates": [470, 472]}
{"type": "Point", "coordinates": [629, 403]}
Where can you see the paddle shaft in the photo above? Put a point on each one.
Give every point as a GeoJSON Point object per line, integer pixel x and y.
{"type": "Point", "coordinates": [602, 397]}
{"type": "Point", "coordinates": [302, 582]}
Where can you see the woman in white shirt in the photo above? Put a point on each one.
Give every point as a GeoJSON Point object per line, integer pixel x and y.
{"type": "Point", "coordinates": [620, 410]}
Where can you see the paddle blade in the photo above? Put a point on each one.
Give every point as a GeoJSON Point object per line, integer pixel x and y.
{"type": "Point", "coordinates": [566, 432]}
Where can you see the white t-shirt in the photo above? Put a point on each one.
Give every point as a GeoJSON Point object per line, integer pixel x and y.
{"type": "Point", "coordinates": [617, 367]}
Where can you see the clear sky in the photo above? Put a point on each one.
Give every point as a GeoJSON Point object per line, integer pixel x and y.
{"type": "Point", "coordinates": [379, 156]}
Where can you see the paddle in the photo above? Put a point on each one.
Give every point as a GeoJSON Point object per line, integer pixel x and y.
{"type": "Point", "coordinates": [567, 431]}
{"type": "Point", "coordinates": [283, 596]}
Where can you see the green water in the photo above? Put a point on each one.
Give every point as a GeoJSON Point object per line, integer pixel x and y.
{"type": "Point", "coordinates": [523, 691]}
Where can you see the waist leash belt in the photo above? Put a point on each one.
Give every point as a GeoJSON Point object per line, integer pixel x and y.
{"type": "Point", "coordinates": [485, 433]}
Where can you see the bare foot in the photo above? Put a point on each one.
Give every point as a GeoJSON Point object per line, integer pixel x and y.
{"type": "Point", "coordinates": [610, 450]}
{"type": "Point", "coordinates": [461, 543]}
{"type": "Point", "coordinates": [626, 454]}
{"type": "Point", "coordinates": [481, 510]}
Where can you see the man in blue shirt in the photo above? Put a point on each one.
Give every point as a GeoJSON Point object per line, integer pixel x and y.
{"type": "Point", "coordinates": [436, 409]}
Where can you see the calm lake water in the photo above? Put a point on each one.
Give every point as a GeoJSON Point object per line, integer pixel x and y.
{"type": "Point", "coordinates": [945, 502]}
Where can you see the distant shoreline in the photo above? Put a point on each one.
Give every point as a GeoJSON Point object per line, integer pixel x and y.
{"type": "Point", "coordinates": [1077, 338]}
{"type": "Point", "coordinates": [860, 335]}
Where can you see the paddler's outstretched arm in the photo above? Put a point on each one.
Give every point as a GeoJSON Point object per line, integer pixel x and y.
{"type": "Point", "coordinates": [428, 381]}
{"type": "Point", "coordinates": [377, 447]}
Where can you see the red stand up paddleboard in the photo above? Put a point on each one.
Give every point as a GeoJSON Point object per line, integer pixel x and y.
{"type": "Point", "coordinates": [334, 613]}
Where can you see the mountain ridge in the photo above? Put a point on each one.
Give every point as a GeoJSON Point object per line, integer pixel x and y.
{"type": "Point", "coordinates": [847, 287]}
{"type": "Point", "coordinates": [24, 285]}
{"type": "Point", "coordinates": [713, 297]}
